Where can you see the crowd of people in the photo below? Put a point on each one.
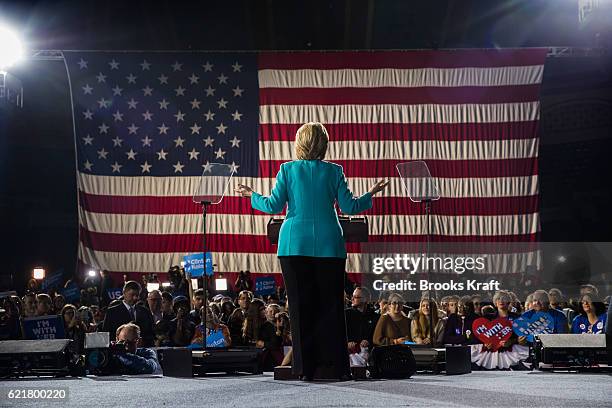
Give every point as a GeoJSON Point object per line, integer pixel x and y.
{"type": "Point", "coordinates": [170, 317]}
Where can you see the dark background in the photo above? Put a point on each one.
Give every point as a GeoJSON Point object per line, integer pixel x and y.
{"type": "Point", "coordinates": [38, 215]}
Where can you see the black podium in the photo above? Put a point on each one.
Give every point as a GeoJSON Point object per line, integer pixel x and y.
{"type": "Point", "coordinates": [355, 229]}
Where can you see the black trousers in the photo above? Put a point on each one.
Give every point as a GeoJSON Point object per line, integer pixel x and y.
{"type": "Point", "coordinates": [315, 292]}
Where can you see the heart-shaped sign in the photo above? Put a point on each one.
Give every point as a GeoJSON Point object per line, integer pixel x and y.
{"type": "Point", "coordinates": [539, 323]}
{"type": "Point", "coordinates": [492, 332]}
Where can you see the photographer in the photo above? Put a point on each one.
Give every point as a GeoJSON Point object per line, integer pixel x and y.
{"type": "Point", "coordinates": [181, 328]}
{"type": "Point", "coordinates": [135, 360]}
{"type": "Point", "coordinates": [180, 286]}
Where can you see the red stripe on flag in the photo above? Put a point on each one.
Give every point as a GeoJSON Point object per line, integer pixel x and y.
{"type": "Point", "coordinates": [402, 96]}
{"type": "Point", "coordinates": [438, 168]}
{"type": "Point", "coordinates": [238, 205]}
{"type": "Point", "coordinates": [443, 132]}
{"type": "Point", "coordinates": [245, 243]}
{"type": "Point", "coordinates": [402, 59]}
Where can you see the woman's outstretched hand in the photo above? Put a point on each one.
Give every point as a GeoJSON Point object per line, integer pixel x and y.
{"type": "Point", "coordinates": [379, 186]}
{"type": "Point", "coordinates": [244, 191]}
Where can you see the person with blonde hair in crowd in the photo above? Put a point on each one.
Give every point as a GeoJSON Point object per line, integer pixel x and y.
{"type": "Point", "coordinates": [421, 324]}
{"type": "Point", "coordinates": [311, 250]}
{"type": "Point", "coordinates": [393, 327]}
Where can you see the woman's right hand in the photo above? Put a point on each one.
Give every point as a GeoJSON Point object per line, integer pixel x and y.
{"type": "Point", "coordinates": [379, 186]}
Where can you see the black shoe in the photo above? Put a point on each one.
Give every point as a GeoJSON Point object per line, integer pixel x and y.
{"type": "Point", "coordinates": [307, 378]}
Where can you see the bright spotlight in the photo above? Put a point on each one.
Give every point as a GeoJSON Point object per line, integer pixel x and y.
{"type": "Point", "coordinates": [561, 259]}
{"type": "Point", "coordinates": [221, 284]}
{"type": "Point", "coordinates": [11, 50]}
{"type": "Point", "coordinates": [91, 273]}
{"type": "Point", "coordinates": [38, 273]}
{"type": "Point", "coordinates": [151, 286]}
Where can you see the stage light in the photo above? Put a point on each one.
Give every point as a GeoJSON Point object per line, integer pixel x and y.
{"type": "Point", "coordinates": [562, 259]}
{"type": "Point", "coordinates": [221, 284]}
{"type": "Point", "coordinates": [194, 284]}
{"type": "Point", "coordinates": [152, 286]}
{"type": "Point", "coordinates": [166, 284]}
{"type": "Point", "coordinates": [91, 273]}
{"type": "Point", "coordinates": [11, 50]}
{"type": "Point", "coordinates": [38, 273]}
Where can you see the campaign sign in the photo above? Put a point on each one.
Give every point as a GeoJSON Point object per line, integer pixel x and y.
{"type": "Point", "coordinates": [194, 265]}
{"type": "Point", "coordinates": [265, 285]}
{"type": "Point", "coordinates": [492, 332]}
{"type": "Point", "coordinates": [540, 323]}
{"type": "Point", "coordinates": [215, 339]}
{"type": "Point", "coordinates": [43, 327]}
{"type": "Point", "coordinates": [115, 293]}
{"type": "Point", "coordinates": [53, 280]}
{"type": "Point", "coordinates": [72, 293]}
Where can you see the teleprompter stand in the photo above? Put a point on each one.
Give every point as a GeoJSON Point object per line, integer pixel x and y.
{"type": "Point", "coordinates": [213, 185]}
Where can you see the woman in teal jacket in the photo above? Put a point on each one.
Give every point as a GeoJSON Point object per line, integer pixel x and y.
{"type": "Point", "coordinates": [311, 251]}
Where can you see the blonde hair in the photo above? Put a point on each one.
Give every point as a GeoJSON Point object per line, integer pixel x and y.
{"type": "Point", "coordinates": [311, 141]}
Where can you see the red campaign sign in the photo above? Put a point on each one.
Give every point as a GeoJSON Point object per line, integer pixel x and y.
{"type": "Point", "coordinates": [492, 331]}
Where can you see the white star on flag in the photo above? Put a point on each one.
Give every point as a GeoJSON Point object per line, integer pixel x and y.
{"type": "Point", "coordinates": [131, 154]}
{"type": "Point", "coordinates": [195, 129]}
{"type": "Point", "coordinates": [118, 116]}
{"type": "Point", "coordinates": [207, 167]}
{"type": "Point", "coordinates": [238, 91]}
{"type": "Point", "coordinates": [163, 129]}
{"type": "Point", "coordinates": [114, 64]}
{"type": "Point", "coordinates": [146, 141]}
{"type": "Point", "coordinates": [221, 128]}
{"type": "Point", "coordinates": [116, 167]}
{"type": "Point", "coordinates": [193, 154]}
{"type": "Point", "coordinates": [208, 141]}
{"type": "Point", "coordinates": [178, 167]}
{"type": "Point", "coordinates": [237, 115]}
{"type": "Point", "coordinates": [179, 142]}
{"type": "Point", "coordinates": [222, 103]}
{"type": "Point", "coordinates": [88, 114]}
{"type": "Point", "coordinates": [87, 89]}
{"type": "Point", "coordinates": [161, 155]}
{"type": "Point", "coordinates": [103, 128]}
{"type": "Point", "coordinates": [88, 139]}
{"type": "Point", "coordinates": [131, 78]}
{"type": "Point", "coordinates": [102, 154]}
{"type": "Point", "coordinates": [222, 79]}
{"type": "Point", "coordinates": [88, 165]}
{"type": "Point", "coordinates": [180, 91]}
{"type": "Point", "coordinates": [132, 129]}
{"type": "Point", "coordinates": [210, 91]}
{"type": "Point", "coordinates": [194, 79]}
{"type": "Point", "coordinates": [180, 116]}
{"type": "Point", "coordinates": [132, 103]}
{"type": "Point", "coordinates": [101, 77]}
{"type": "Point", "coordinates": [82, 64]}
{"type": "Point", "coordinates": [207, 67]}
{"type": "Point", "coordinates": [117, 91]}
{"type": "Point", "coordinates": [195, 104]}
{"type": "Point", "coordinates": [145, 66]}
{"type": "Point", "coordinates": [235, 142]}
{"type": "Point", "coordinates": [147, 90]}
{"type": "Point", "coordinates": [146, 167]}
{"type": "Point", "coordinates": [117, 141]}
{"type": "Point", "coordinates": [177, 66]}
{"type": "Point", "coordinates": [237, 67]}
{"type": "Point", "coordinates": [163, 104]}
{"type": "Point", "coordinates": [220, 153]}
{"type": "Point", "coordinates": [209, 115]}
{"type": "Point", "coordinates": [147, 115]}
{"type": "Point", "coordinates": [163, 79]}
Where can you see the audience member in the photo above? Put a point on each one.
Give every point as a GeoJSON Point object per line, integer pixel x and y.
{"type": "Point", "coordinates": [154, 301]}
{"type": "Point", "coordinates": [30, 305]}
{"type": "Point", "coordinates": [540, 304]}
{"type": "Point", "coordinates": [236, 320]}
{"type": "Point", "coordinates": [592, 317]}
{"type": "Point", "coordinates": [393, 327]}
{"type": "Point", "coordinates": [74, 327]}
{"type": "Point", "coordinates": [166, 306]}
{"type": "Point", "coordinates": [181, 328]}
{"type": "Point", "coordinates": [214, 328]}
{"type": "Point", "coordinates": [458, 329]}
{"type": "Point", "coordinates": [198, 302]}
{"type": "Point", "coordinates": [420, 326]}
{"type": "Point", "coordinates": [253, 322]}
{"type": "Point", "coordinates": [361, 321]}
{"type": "Point", "coordinates": [44, 305]}
{"type": "Point", "coordinates": [126, 311]}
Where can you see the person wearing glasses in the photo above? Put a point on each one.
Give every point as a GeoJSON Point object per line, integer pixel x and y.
{"type": "Point", "coordinates": [393, 327]}
{"type": "Point", "coordinates": [135, 360]}
{"type": "Point", "coordinates": [361, 321]}
{"type": "Point", "coordinates": [311, 250]}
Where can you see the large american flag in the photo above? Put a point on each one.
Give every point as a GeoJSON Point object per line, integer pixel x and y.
{"type": "Point", "coordinates": [148, 124]}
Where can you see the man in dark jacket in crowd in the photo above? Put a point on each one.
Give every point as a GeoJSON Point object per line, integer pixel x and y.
{"type": "Point", "coordinates": [360, 320]}
{"type": "Point", "coordinates": [127, 311]}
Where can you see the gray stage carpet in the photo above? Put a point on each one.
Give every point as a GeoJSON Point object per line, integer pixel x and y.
{"type": "Point", "coordinates": [479, 389]}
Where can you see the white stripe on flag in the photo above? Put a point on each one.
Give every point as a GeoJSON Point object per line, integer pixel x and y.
{"type": "Point", "coordinates": [411, 150]}
{"type": "Point", "coordinates": [390, 77]}
{"type": "Point", "coordinates": [185, 186]}
{"type": "Point", "coordinates": [460, 113]}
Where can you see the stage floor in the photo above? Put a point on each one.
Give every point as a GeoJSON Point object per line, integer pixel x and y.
{"type": "Point", "coordinates": [479, 389]}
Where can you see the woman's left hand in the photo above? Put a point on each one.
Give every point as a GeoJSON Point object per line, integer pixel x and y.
{"type": "Point", "coordinates": [244, 191]}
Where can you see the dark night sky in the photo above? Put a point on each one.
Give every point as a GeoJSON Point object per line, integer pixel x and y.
{"type": "Point", "coordinates": [37, 178]}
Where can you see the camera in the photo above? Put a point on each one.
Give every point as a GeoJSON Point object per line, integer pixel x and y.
{"type": "Point", "coordinates": [100, 353]}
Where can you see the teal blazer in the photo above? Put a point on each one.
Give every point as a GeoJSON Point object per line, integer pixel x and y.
{"type": "Point", "coordinates": [311, 227]}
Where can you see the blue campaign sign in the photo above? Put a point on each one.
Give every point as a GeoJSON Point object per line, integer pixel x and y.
{"type": "Point", "coordinates": [114, 293]}
{"type": "Point", "coordinates": [43, 327]}
{"type": "Point", "coordinates": [215, 339]}
{"type": "Point", "coordinates": [53, 280]}
{"type": "Point", "coordinates": [539, 323]}
{"type": "Point", "coordinates": [194, 265]}
{"type": "Point", "coordinates": [72, 293]}
{"type": "Point", "coordinates": [265, 285]}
